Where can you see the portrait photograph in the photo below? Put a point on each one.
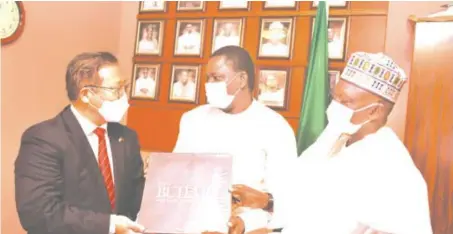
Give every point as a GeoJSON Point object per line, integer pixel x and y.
{"type": "Point", "coordinates": [273, 87]}
{"type": "Point", "coordinates": [333, 3]}
{"type": "Point", "coordinates": [153, 6]}
{"type": "Point", "coordinates": [190, 6]}
{"type": "Point", "coordinates": [227, 32]}
{"type": "Point", "coordinates": [279, 4]}
{"type": "Point", "coordinates": [336, 37]}
{"type": "Point", "coordinates": [184, 83]}
{"type": "Point", "coordinates": [145, 81]}
{"type": "Point", "coordinates": [276, 36]}
{"type": "Point", "coordinates": [189, 37]}
{"type": "Point", "coordinates": [149, 37]}
{"type": "Point", "coordinates": [233, 5]}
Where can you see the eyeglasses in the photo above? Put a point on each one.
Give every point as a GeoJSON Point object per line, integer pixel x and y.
{"type": "Point", "coordinates": [116, 91]}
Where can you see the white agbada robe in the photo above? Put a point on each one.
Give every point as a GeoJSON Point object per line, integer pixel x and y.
{"type": "Point", "coordinates": [261, 142]}
{"type": "Point", "coordinates": [373, 182]}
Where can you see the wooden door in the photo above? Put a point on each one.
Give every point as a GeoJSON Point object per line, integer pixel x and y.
{"type": "Point", "coordinates": [429, 129]}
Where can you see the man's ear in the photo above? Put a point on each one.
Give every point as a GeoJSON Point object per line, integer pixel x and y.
{"type": "Point", "coordinates": [244, 80]}
{"type": "Point", "coordinates": [376, 111]}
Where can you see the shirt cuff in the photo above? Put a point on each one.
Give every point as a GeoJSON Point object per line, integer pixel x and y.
{"type": "Point", "coordinates": [254, 219]}
{"type": "Point", "coordinates": [112, 225]}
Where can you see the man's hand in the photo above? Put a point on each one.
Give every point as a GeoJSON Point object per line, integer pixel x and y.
{"type": "Point", "coordinates": [236, 225]}
{"type": "Point", "coordinates": [248, 197]}
{"type": "Point", "coordinates": [124, 225]}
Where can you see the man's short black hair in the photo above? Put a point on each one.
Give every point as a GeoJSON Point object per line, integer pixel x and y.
{"type": "Point", "coordinates": [241, 61]}
{"type": "Point", "coordinates": [84, 68]}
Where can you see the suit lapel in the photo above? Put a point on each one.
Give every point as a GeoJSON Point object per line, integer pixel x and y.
{"type": "Point", "coordinates": [82, 146]}
{"type": "Point", "coordinates": [118, 153]}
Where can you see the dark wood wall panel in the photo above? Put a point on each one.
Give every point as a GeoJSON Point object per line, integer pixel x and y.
{"type": "Point", "coordinates": [157, 122]}
{"type": "Point", "coordinates": [429, 125]}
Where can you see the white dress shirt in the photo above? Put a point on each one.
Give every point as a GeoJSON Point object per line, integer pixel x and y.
{"type": "Point", "coordinates": [373, 182]}
{"type": "Point", "coordinates": [88, 127]}
{"type": "Point", "coordinates": [261, 142]}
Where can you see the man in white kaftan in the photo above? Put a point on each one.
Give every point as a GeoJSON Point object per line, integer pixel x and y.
{"type": "Point", "coordinates": [260, 140]}
{"type": "Point", "coordinates": [358, 173]}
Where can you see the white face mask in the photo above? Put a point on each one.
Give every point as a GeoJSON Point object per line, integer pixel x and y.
{"type": "Point", "coordinates": [339, 117]}
{"type": "Point", "coordinates": [217, 94]}
{"type": "Point", "coordinates": [113, 111]}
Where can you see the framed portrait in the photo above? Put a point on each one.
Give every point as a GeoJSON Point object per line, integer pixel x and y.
{"type": "Point", "coordinates": [153, 6]}
{"type": "Point", "coordinates": [227, 31]}
{"type": "Point", "coordinates": [336, 36]}
{"type": "Point", "coordinates": [145, 81]}
{"type": "Point", "coordinates": [190, 6]}
{"type": "Point", "coordinates": [276, 38]}
{"type": "Point", "coordinates": [279, 4]}
{"type": "Point", "coordinates": [234, 5]}
{"type": "Point", "coordinates": [149, 37]}
{"type": "Point", "coordinates": [334, 77]}
{"type": "Point", "coordinates": [189, 37]}
{"type": "Point", "coordinates": [333, 3]}
{"type": "Point", "coordinates": [184, 84]}
{"type": "Point", "coordinates": [273, 87]}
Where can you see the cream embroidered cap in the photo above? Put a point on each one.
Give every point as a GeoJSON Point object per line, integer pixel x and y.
{"type": "Point", "coordinates": [376, 73]}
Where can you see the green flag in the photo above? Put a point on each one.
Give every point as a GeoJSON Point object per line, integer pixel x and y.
{"type": "Point", "coordinates": [313, 118]}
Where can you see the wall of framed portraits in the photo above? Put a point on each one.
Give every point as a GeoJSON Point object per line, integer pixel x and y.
{"type": "Point", "coordinates": [175, 39]}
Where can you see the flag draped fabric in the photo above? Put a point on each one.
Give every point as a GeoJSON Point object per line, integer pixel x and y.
{"type": "Point", "coordinates": [313, 118]}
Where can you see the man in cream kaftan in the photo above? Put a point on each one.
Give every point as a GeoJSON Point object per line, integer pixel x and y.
{"type": "Point", "coordinates": [373, 182]}
{"type": "Point", "coordinates": [358, 173]}
{"type": "Point", "coordinates": [260, 140]}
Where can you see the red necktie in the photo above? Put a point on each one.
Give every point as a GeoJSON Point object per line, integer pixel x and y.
{"type": "Point", "coordinates": [104, 166]}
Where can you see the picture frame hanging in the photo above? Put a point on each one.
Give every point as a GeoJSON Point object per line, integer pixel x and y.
{"type": "Point", "coordinates": [190, 6]}
{"type": "Point", "coordinates": [149, 37]}
{"type": "Point", "coordinates": [280, 5]}
{"type": "Point", "coordinates": [276, 38]}
{"type": "Point", "coordinates": [273, 87]}
{"type": "Point", "coordinates": [227, 31]}
{"type": "Point", "coordinates": [184, 83]}
{"type": "Point", "coordinates": [145, 81]}
{"type": "Point", "coordinates": [189, 37]}
{"type": "Point", "coordinates": [337, 37]}
{"type": "Point", "coordinates": [234, 5]}
{"type": "Point", "coordinates": [153, 6]}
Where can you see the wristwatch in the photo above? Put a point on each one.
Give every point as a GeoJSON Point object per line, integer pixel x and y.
{"type": "Point", "coordinates": [270, 203]}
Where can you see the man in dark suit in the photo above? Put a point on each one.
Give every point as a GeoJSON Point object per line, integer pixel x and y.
{"type": "Point", "coordinates": [81, 172]}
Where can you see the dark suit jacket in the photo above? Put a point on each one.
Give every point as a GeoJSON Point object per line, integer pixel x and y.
{"type": "Point", "coordinates": [59, 187]}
